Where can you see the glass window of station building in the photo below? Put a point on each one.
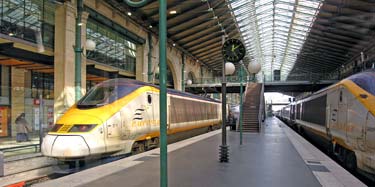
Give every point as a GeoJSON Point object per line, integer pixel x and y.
{"type": "Point", "coordinates": [32, 24]}
{"type": "Point", "coordinates": [30, 20]}
{"type": "Point", "coordinates": [112, 48]}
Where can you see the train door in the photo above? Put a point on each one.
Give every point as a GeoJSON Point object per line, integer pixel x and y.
{"type": "Point", "coordinates": [342, 110]}
{"type": "Point", "coordinates": [155, 110]}
{"type": "Point", "coordinates": [114, 132]}
{"type": "Point", "coordinates": [357, 116]}
{"type": "Point", "coordinates": [149, 112]}
{"type": "Point", "coordinates": [370, 131]}
{"type": "Point", "coordinates": [332, 110]}
{"type": "Point", "coordinates": [292, 113]}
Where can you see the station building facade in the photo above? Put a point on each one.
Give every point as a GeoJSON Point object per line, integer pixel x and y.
{"type": "Point", "coordinates": [37, 57]}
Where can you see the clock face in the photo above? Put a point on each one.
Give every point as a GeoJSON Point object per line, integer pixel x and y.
{"type": "Point", "coordinates": [233, 50]}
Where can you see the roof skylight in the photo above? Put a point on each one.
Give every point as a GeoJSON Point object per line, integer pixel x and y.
{"type": "Point", "coordinates": [275, 31]}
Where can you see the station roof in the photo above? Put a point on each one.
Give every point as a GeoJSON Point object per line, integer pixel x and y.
{"type": "Point", "coordinates": [293, 36]}
{"type": "Point", "coordinates": [196, 27]}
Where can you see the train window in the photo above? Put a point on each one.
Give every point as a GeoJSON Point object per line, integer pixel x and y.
{"type": "Point", "coordinates": [314, 111]}
{"type": "Point", "coordinates": [340, 95]}
{"type": "Point", "coordinates": [105, 93]}
{"type": "Point", "coordinates": [149, 99]}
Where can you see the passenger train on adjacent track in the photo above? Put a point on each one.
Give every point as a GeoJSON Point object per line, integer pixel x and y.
{"type": "Point", "coordinates": [340, 117]}
{"type": "Point", "coordinates": [122, 116]}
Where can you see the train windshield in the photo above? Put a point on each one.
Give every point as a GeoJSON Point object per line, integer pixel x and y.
{"type": "Point", "coordinates": [365, 80]}
{"type": "Point", "coordinates": [105, 93]}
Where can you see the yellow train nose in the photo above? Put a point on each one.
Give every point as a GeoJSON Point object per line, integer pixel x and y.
{"type": "Point", "coordinates": [80, 118]}
{"type": "Point", "coordinates": [76, 123]}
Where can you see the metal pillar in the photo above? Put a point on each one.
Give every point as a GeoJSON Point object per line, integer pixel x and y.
{"type": "Point", "coordinates": [150, 47]}
{"type": "Point", "coordinates": [78, 50]}
{"type": "Point", "coordinates": [241, 104]}
{"type": "Point", "coordinates": [201, 73]}
{"type": "Point", "coordinates": [2, 164]}
{"type": "Point", "coordinates": [183, 73]}
{"type": "Point", "coordinates": [41, 104]}
{"type": "Point", "coordinates": [223, 147]}
{"type": "Point", "coordinates": [163, 92]}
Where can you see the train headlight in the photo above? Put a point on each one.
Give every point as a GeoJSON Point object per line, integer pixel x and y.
{"type": "Point", "coordinates": [56, 127]}
{"type": "Point", "coordinates": [82, 127]}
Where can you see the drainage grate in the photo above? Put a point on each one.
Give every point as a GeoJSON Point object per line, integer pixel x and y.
{"type": "Point", "coordinates": [319, 168]}
{"type": "Point", "coordinates": [313, 162]}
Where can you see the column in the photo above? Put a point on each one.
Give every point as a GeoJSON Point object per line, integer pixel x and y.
{"type": "Point", "coordinates": [140, 66]}
{"type": "Point", "coordinates": [64, 67]}
{"type": "Point", "coordinates": [85, 16]}
{"type": "Point", "coordinates": [5, 81]}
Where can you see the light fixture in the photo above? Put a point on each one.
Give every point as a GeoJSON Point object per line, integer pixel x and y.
{"type": "Point", "coordinates": [11, 34]}
{"type": "Point", "coordinates": [173, 12]}
{"type": "Point", "coordinates": [90, 45]}
{"type": "Point", "coordinates": [174, 44]}
{"type": "Point", "coordinates": [229, 68]}
{"type": "Point", "coordinates": [150, 26]}
{"type": "Point", "coordinates": [80, 24]}
{"type": "Point", "coordinates": [189, 82]}
{"type": "Point", "coordinates": [129, 13]}
{"type": "Point", "coordinates": [254, 67]}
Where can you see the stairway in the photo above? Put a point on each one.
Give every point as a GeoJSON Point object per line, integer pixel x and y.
{"type": "Point", "coordinates": [251, 106]}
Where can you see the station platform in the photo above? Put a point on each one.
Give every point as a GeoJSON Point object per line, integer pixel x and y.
{"type": "Point", "coordinates": [275, 157]}
{"type": "Point", "coordinates": [10, 147]}
{"type": "Point", "coordinates": [11, 142]}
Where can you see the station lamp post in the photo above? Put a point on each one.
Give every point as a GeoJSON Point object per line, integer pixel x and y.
{"type": "Point", "coordinates": [241, 100]}
{"type": "Point", "coordinates": [78, 50]}
{"type": "Point", "coordinates": [163, 92]}
{"type": "Point", "coordinates": [228, 69]}
{"type": "Point", "coordinates": [233, 50]}
{"type": "Point", "coordinates": [163, 85]}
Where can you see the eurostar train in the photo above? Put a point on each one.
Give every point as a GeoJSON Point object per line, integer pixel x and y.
{"type": "Point", "coordinates": [340, 117]}
{"type": "Point", "coordinates": [122, 116]}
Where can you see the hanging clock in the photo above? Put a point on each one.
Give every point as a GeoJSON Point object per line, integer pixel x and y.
{"type": "Point", "coordinates": [233, 50]}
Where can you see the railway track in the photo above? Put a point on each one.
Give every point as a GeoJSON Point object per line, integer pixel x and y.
{"type": "Point", "coordinates": [49, 169]}
{"type": "Point", "coordinates": [53, 171]}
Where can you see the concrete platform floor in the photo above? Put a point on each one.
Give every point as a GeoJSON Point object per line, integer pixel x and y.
{"type": "Point", "coordinates": [275, 157]}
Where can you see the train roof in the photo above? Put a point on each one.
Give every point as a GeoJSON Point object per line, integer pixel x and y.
{"type": "Point", "coordinates": [137, 84]}
{"type": "Point", "coordinates": [365, 80]}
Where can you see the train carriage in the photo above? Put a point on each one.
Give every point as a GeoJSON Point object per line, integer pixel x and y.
{"type": "Point", "coordinates": [342, 118]}
{"type": "Point", "coordinates": [122, 116]}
